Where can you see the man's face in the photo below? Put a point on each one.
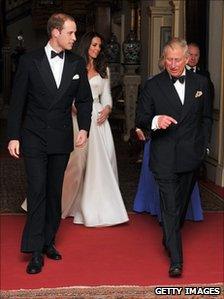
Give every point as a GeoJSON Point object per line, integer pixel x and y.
{"type": "Point", "coordinates": [66, 37]}
{"type": "Point", "coordinates": [175, 60]}
{"type": "Point", "coordinates": [194, 55]}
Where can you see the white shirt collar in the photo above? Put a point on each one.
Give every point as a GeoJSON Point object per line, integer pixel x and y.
{"type": "Point", "coordinates": [180, 88]}
{"type": "Point", "coordinates": [48, 50]}
{"type": "Point", "coordinates": [56, 64]}
{"type": "Point", "coordinates": [188, 67]}
{"type": "Point", "coordinates": [184, 72]}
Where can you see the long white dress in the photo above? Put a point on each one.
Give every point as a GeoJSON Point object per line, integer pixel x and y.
{"type": "Point", "coordinates": [95, 199]}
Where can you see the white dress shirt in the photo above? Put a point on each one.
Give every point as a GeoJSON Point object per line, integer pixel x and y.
{"type": "Point", "coordinates": [191, 68]}
{"type": "Point", "coordinates": [180, 88]}
{"type": "Point", "coordinates": [56, 64]}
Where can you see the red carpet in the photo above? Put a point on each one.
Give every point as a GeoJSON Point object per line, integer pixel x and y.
{"type": "Point", "coordinates": [213, 187]}
{"type": "Point", "coordinates": [129, 254]}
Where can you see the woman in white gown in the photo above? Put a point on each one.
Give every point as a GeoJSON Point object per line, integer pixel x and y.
{"type": "Point", "coordinates": [91, 192]}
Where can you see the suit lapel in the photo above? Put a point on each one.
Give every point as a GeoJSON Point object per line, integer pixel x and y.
{"type": "Point", "coordinates": [67, 74]}
{"type": "Point", "coordinates": [66, 79]}
{"type": "Point", "coordinates": [46, 73]}
{"type": "Point", "coordinates": [169, 91]}
{"type": "Point", "coordinates": [189, 93]}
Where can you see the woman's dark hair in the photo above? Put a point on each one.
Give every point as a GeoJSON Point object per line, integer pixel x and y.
{"type": "Point", "coordinates": [99, 63]}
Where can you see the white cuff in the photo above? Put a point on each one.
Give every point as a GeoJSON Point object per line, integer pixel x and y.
{"type": "Point", "coordinates": [154, 125]}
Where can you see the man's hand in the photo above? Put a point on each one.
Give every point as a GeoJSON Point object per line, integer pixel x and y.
{"type": "Point", "coordinates": [81, 138]}
{"type": "Point", "coordinates": [164, 121]}
{"type": "Point", "coordinates": [140, 134]}
{"type": "Point", "coordinates": [13, 148]}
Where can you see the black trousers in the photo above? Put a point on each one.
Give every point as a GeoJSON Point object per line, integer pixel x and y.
{"type": "Point", "coordinates": [45, 175]}
{"type": "Point", "coordinates": [175, 191]}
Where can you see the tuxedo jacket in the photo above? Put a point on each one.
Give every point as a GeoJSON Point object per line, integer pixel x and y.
{"type": "Point", "coordinates": [180, 147]}
{"type": "Point", "coordinates": [40, 113]}
{"type": "Point", "coordinates": [211, 85]}
{"type": "Point", "coordinates": [202, 72]}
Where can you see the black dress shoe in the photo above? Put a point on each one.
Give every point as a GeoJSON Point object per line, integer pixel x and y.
{"type": "Point", "coordinates": [175, 270]}
{"type": "Point", "coordinates": [52, 253]}
{"type": "Point", "coordinates": [36, 263]}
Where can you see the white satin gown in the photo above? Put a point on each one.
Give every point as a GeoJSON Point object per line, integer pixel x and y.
{"type": "Point", "coordinates": [91, 192]}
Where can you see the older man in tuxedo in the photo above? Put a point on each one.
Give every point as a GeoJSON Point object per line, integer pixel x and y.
{"type": "Point", "coordinates": [193, 61]}
{"type": "Point", "coordinates": [193, 65]}
{"type": "Point", "coordinates": [175, 106]}
{"type": "Point", "coordinates": [40, 128]}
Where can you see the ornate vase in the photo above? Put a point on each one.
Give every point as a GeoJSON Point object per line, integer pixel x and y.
{"type": "Point", "coordinates": [113, 50]}
{"type": "Point", "coordinates": [131, 49]}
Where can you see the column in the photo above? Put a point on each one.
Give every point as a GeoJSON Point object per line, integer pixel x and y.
{"type": "Point", "coordinates": [178, 9]}
{"type": "Point", "coordinates": [219, 178]}
{"type": "Point", "coordinates": [131, 85]}
{"type": "Point", "coordinates": [160, 24]}
{"type": "Point", "coordinates": [215, 160]}
{"type": "Point", "coordinates": [102, 17]}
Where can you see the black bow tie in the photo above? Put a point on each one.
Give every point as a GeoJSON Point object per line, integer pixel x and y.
{"type": "Point", "coordinates": [54, 54]}
{"type": "Point", "coordinates": [192, 69]}
{"type": "Point", "coordinates": [181, 79]}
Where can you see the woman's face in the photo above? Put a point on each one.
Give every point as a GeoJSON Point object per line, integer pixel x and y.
{"type": "Point", "coordinates": [95, 47]}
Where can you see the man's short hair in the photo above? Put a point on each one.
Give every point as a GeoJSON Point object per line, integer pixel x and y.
{"type": "Point", "coordinates": [173, 43]}
{"type": "Point", "coordinates": [193, 44]}
{"type": "Point", "coordinates": [57, 21]}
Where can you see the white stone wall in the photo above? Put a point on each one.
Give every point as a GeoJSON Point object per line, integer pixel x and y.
{"type": "Point", "coordinates": [215, 163]}
{"type": "Point", "coordinates": [215, 46]}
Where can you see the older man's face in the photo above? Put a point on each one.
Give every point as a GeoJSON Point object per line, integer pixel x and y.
{"type": "Point", "coordinates": [194, 55]}
{"type": "Point", "coordinates": [175, 60]}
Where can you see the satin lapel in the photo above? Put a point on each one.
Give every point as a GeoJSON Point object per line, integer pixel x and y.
{"type": "Point", "coordinates": [46, 73]}
{"type": "Point", "coordinates": [169, 91]}
{"type": "Point", "coordinates": [190, 89]}
{"type": "Point", "coordinates": [67, 74]}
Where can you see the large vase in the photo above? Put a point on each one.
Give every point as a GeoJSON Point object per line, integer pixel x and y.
{"type": "Point", "coordinates": [131, 49]}
{"type": "Point", "coordinates": [113, 50]}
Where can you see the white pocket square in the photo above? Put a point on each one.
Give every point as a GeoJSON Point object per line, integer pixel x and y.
{"type": "Point", "coordinates": [75, 77]}
{"type": "Point", "coordinates": [198, 94]}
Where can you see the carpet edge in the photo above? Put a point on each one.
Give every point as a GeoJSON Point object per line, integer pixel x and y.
{"type": "Point", "coordinates": [123, 291]}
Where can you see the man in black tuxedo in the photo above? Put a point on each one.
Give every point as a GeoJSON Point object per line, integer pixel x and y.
{"type": "Point", "coordinates": [193, 61]}
{"type": "Point", "coordinates": [193, 65]}
{"type": "Point", "coordinates": [175, 106]}
{"type": "Point", "coordinates": [47, 82]}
